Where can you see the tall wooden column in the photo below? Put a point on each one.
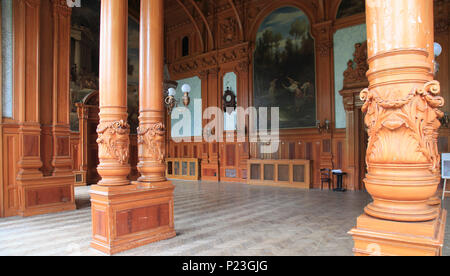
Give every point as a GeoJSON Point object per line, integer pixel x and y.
{"type": "Point", "coordinates": [126, 215]}
{"type": "Point", "coordinates": [402, 116]}
{"type": "Point", "coordinates": [152, 131]}
{"type": "Point", "coordinates": [113, 130]}
{"type": "Point", "coordinates": [61, 161]}
{"type": "Point", "coordinates": [38, 193]}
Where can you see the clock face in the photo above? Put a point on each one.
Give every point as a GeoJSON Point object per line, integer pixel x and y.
{"type": "Point", "coordinates": [228, 98]}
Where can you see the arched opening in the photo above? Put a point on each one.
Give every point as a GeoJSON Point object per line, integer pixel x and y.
{"type": "Point", "coordinates": [284, 67]}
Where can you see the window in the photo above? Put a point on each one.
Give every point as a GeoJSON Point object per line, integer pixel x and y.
{"type": "Point", "coordinates": [185, 46]}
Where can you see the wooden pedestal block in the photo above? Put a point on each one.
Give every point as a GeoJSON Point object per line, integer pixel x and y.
{"type": "Point", "coordinates": [130, 216]}
{"type": "Point", "coordinates": [376, 237]}
{"type": "Point", "coordinates": [46, 195]}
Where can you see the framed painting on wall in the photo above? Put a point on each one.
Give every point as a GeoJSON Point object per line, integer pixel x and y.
{"type": "Point", "coordinates": [284, 68]}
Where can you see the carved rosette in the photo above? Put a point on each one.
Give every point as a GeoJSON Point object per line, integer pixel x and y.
{"type": "Point", "coordinates": [114, 141]}
{"type": "Point", "coordinates": [151, 142]}
{"type": "Point", "coordinates": [401, 128]}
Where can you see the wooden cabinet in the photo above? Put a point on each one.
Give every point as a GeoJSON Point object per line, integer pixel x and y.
{"type": "Point", "coordinates": [183, 168]}
{"type": "Point", "coordinates": [282, 173]}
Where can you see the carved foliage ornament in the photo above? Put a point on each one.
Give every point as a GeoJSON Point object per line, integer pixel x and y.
{"type": "Point", "coordinates": [401, 128]}
{"type": "Point", "coordinates": [151, 141]}
{"type": "Point", "coordinates": [357, 74]}
{"type": "Point", "coordinates": [229, 30]}
{"type": "Point", "coordinates": [113, 140]}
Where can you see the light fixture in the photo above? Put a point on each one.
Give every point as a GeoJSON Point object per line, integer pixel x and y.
{"type": "Point", "coordinates": [186, 89]}
{"type": "Point", "coordinates": [437, 52]}
{"type": "Point", "coordinates": [170, 100]}
{"type": "Point", "coordinates": [323, 127]}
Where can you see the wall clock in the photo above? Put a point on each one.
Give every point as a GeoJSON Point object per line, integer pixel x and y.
{"type": "Point", "coordinates": [229, 101]}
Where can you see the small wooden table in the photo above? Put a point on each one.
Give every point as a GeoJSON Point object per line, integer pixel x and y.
{"type": "Point", "coordinates": [340, 176]}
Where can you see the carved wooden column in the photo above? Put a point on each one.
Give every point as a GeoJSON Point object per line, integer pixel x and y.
{"type": "Point", "coordinates": [213, 101]}
{"type": "Point", "coordinates": [34, 72]}
{"type": "Point", "coordinates": [61, 162]}
{"type": "Point", "coordinates": [402, 116]}
{"type": "Point", "coordinates": [323, 35]}
{"type": "Point", "coordinates": [203, 75]}
{"type": "Point", "coordinates": [26, 86]}
{"type": "Point", "coordinates": [152, 131]}
{"type": "Point", "coordinates": [125, 215]}
{"type": "Point", "coordinates": [113, 130]}
{"type": "Point", "coordinates": [83, 114]}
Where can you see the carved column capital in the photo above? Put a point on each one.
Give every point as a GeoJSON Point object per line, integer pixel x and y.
{"type": "Point", "coordinates": [243, 66]}
{"type": "Point", "coordinates": [114, 141]}
{"type": "Point", "coordinates": [214, 71]}
{"type": "Point", "coordinates": [415, 117]}
{"type": "Point", "coordinates": [151, 141]}
{"type": "Point", "coordinates": [203, 74]}
{"type": "Point", "coordinates": [323, 35]}
{"type": "Point", "coordinates": [60, 7]}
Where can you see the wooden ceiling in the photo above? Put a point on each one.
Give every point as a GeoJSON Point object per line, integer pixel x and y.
{"type": "Point", "coordinates": [181, 11]}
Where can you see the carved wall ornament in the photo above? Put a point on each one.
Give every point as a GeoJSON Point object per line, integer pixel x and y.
{"type": "Point", "coordinates": [324, 48]}
{"type": "Point", "coordinates": [151, 141]}
{"type": "Point", "coordinates": [401, 128]}
{"type": "Point", "coordinates": [185, 67]}
{"type": "Point", "coordinates": [114, 140]}
{"type": "Point", "coordinates": [229, 30]}
{"type": "Point", "coordinates": [357, 73]}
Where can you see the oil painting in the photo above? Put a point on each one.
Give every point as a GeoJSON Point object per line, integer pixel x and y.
{"type": "Point", "coordinates": [284, 68]}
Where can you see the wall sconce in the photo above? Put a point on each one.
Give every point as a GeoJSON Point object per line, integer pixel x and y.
{"type": "Point", "coordinates": [170, 100]}
{"type": "Point", "coordinates": [186, 88]}
{"type": "Point", "coordinates": [323, 127]}
{"type": "Point", "coordinates": [437, 53]}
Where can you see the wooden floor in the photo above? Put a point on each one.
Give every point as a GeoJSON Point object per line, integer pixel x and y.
{"type": "Point", "coordinates": [211, 219]}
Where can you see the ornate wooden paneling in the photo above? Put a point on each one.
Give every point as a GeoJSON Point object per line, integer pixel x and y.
{"type": "Point", "coordinates": [141, 219]}
{"type": "Point", "coordinates": [10, 169]}
{"type": "Point", "coordinates": [29, 137]}
{"type": "Point", "coordinates": [281, 173]}
{"type": "Point", "coordinates": [45, 196]}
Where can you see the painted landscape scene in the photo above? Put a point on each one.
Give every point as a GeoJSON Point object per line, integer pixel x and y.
{"type": "Point", "coordinates": [284, 68]}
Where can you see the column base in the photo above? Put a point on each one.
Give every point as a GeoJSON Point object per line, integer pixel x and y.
{"type": "Point", "coordinates": [377, 237]}
{"type": "Point", "coordinates": [130, 216]}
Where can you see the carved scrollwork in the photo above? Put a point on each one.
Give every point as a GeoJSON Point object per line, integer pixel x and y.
{"type": "Point", "coordinates": [151, 141]}
{"type": "Point", "coordinates": [114, 140]}
{"type": "Point", "coordinates": [357, 74]}
{"type": "Point", "coordinates": [401, 128]}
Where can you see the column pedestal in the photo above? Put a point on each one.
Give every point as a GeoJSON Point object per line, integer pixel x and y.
{"type": "Point", "coordinates": [127, 217]}
{"type": "Point", "coordinates": [377, 237]}
{"type": "Point", "coordinates": [124, 215]}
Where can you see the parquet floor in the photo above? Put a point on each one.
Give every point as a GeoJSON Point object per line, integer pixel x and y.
{"type": "Point", "coordinates": [211, 219]}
